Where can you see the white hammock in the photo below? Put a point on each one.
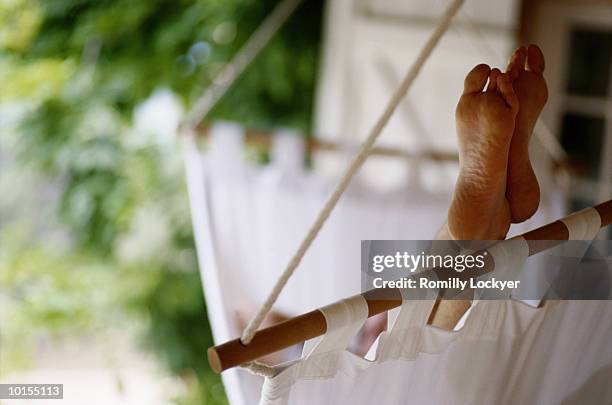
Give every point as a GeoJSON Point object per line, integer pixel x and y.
{"type": "Point", "coordinates": [248, 219]}
{"type": "Point", "coordinates": [506, 353]}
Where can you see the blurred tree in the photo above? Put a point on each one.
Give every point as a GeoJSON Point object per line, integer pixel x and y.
{"type": "Point", "coordinates": [79, 68]}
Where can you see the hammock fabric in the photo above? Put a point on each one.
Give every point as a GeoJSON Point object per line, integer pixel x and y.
{"type": "Point", "coordinates": [248, 218]}
{"type": "Point", "coordinates": [506, 353]}
{"type": "Point", "coordinates": [497, 343]}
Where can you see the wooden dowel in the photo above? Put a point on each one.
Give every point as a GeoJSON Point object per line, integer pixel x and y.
{"type": "Point", "coordinates": [263, 140]}
{"type": "Point", "coordinates": [286, 334]}
{"type": "Point", "coordinates": [312, 324]}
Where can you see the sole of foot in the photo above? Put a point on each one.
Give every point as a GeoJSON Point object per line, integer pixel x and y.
{"type": "Point", "coordinates": [485, 124]}
{"type": "Point", "coordinates": [526, 68]}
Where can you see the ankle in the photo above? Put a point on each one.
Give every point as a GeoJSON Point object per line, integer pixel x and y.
{"type": "Point", "coordinates": [477, 214]}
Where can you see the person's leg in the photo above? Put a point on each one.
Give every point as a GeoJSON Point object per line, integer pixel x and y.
{"type": "Point", "coordinates": [526, 70]}
{"type": "Point", "coordinates": [480, 210]}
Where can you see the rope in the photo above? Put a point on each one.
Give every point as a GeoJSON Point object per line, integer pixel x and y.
{"type": "Point", "coordinates": [232, 70]}
{"type": "Point", "coordinates": [355, 164]}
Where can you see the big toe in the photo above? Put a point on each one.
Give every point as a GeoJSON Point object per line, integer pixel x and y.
{"type": "Point", "coordinates": [476, 79]}
{"type": "Point", "coordinates": [535, 59]}
{"type": "Point", "coordinates": [517, 62]}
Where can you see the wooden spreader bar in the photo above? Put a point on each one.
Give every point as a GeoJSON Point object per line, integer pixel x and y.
{"type": "Point", "coordinates": [263, 139]}
{"type": "Point", "coordinates": [312, 324]}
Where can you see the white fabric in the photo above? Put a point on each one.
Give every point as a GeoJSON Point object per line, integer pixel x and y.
{"type": "Point", "coordinates": [508, 256]}
{"type": "Point", "coordinates": [403, 339]}
{"type": "Point", "coordinates": [343, 319]}
{"type": "Point", "coordinates": [535, 282]}
{"type": "Point", "coordinates": [261, 213]}
{"type": "Point", "coordinates": [506, 353]}
{"type": "Point", "coordinates": [248, 219]}
{"type": "Point", "coordinates": [239, 384]}
{"type": "Point", "coordinates": [583, 225]}
{"type": "Point", "coordinates": [509, 253]}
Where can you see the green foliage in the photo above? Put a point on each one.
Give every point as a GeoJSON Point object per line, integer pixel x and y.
{"type": "Point", "coordinates": [48, 292]}
{"type": "Point", "coordinates": [136, 46]}
{"type": "Point", "coordinates": [79, 68]}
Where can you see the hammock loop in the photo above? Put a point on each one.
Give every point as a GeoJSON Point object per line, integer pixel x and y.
{"type": "Point", "coordinates": [260, 369]}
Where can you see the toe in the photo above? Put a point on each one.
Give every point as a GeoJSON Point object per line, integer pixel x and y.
{"type": "Point", "coordinates": [476, 79]}
{"type": "Point", "coordinates": [493, 76]}
{"type": "Point", "coordinates": [505, 88]}
{"type": "Point", "coordinates": [517, 62]}
{"type": "Point", "coordinates": [535, 59]}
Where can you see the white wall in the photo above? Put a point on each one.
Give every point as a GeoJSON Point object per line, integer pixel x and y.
{"type": "Point", "coordinates": [370, 44]}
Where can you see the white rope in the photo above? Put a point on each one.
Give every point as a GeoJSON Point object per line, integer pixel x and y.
{"type": "Point", "coordinates": [232, 70]}
{"type": "Point", "coordinates": [355, 164]}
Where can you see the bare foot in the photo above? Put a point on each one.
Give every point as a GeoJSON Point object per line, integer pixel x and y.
{"type": "Point", "coordinates": [496, 182]}
{"type": "Point", "coordinates": [480, 210]}
{"type": "Point", "coordinates": [525, 68]}
{"type": "Point", "coordinates": [485, 123]}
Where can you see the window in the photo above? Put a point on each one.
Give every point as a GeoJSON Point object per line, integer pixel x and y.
{"type": "Point", "coordinates": [584, 115]}
{"type": "Point", "coordinates": [583, 138]}
{"type": "Point", "coordinates": [590, 62]}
